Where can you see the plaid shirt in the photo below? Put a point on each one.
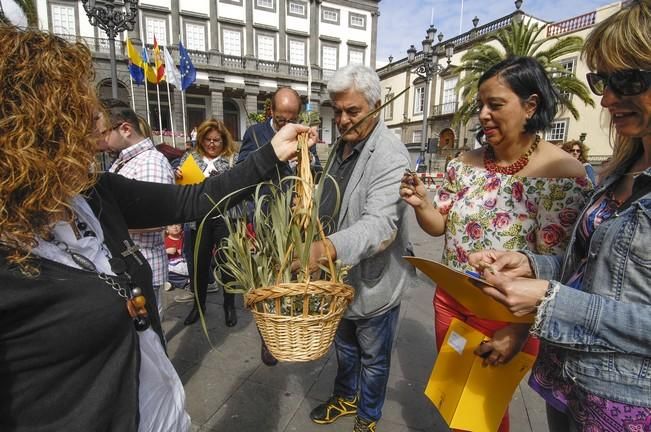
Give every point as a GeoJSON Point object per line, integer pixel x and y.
{"type": "Point", "coordinates": [143, 162]}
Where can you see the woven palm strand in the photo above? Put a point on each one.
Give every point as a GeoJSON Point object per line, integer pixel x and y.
{"type": "Point", "coordinates": [300, 336]}
{"type": "Point", "coordinates": [302, 333]}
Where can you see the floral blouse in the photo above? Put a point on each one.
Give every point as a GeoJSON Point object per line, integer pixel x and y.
{"type": "Point", "coordinates": [487, 210]}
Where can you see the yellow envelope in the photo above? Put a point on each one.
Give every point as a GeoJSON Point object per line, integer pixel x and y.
{"type": "Point", "coordinates": [192, 174]}
{"type": "Point", "coordinates": [469, 396]}
{"type": "Point", "coordinates": [461, 287]}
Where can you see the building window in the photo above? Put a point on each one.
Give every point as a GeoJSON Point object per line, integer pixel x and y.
{"type": "Point", "coordinates": [355, 56]}
{"type": "Point", "coordinates": [156, 27]}
{"type": "Point", "coordinates": [449, 95]}
{"type": "Point", "coordinates": [195, 36]}
{"type": "Point", "coordinates": [557, 131]}
{"type": "Point", "coordinates": [236, 2]}
{"type": "Point", "coordinates": [297, 52]}
{"type": "Point", "coordinates": [569, 68]}
{"type": "Point", "coordinates": [63, 20]}
{"type": "Point", "coordinates": [297, 8]}
{"type": "Point", "coordinates": [357, 21]}
{"type": "Point", "coordinates": [417, 136]}
{"type": "Point", "coordinates": [232, 40]}
{"type": "Point", "coordinates": [388, 110]}
{"type": "Point", "coordinates": [266, 47]}
{"type": "Point", "coordinates": [329, 63]}
{"type": "Point", "coordinates": [330, 15]}
{"type": "Point", "coordinates": [265, 4]}
{"type": "Point", "coordinates": [419, 99]}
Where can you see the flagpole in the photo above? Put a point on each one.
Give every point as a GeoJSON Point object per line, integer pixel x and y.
{"type": "Point", "coordinates": [169, 103]}
{"type": "Point", "coordinates": [133, 96]}
{"type": "Point", "coordinates": [461, 18]}
{"type": "Point", "coordinates": [185, 129]}
{"type": "Point", "coordinates": [160, 118]}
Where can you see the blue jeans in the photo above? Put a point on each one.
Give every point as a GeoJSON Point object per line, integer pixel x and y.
{"type": "Point", "coordinates": [363, 349]}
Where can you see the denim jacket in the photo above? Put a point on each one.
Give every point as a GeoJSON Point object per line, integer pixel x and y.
{"type": "Point", "coordinates": [605, 327]}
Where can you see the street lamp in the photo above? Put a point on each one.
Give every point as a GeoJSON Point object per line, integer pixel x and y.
{"type": "Point", "coordinates": [112, 21]}
{"type": "Point", "coordinates": [426, 70]}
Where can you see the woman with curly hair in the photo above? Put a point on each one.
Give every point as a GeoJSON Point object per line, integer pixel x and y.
{"type": "Point", "coordinates": [579, 151]}
{"type": "Point", "coordinates": [215, 154]}
{"type": "Point", "coordinates": [75, 295]}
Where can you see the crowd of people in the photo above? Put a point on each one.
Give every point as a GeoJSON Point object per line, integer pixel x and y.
{"type": "Point", "coordinates": [80, 248]}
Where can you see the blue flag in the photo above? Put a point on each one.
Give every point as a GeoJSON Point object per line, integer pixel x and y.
{"type": "Point", "coordinates": [188, 71]}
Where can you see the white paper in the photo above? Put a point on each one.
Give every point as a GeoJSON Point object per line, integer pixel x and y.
{"type": "Point", "coordinates": [457, 342]}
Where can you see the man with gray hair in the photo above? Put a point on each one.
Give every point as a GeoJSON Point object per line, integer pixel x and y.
{"type": "Point", "coordinates": [369, 233]}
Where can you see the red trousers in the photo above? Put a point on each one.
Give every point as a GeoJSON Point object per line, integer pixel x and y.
{"type": "Point", "coordinates": [446, 308]}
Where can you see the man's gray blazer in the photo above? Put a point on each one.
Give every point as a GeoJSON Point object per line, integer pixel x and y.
{"type": "Point", "coordinates": [372, 233]}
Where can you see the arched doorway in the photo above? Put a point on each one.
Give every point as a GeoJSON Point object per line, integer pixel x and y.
{"type": "Point", "coordinates": [104, 91]}
{"type": "Point", "coordinates": [232, 118]}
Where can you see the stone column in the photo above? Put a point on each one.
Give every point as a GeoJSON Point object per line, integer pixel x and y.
{"type": "Point", "coordinates": [374, 16]}
{"type": "Point", "coordinates": [176, 23]}
{"type": "Point", "coordinates": [177, 111]}
{"type": "Point", "coordinates": [214, 26]}
{"type": "Point", "coordinates": [251, 89]}
{"type": "Point", "coordinates": [216, 102]}
{"type": "Point", "coordinates": [314, 30]}
{"type": "Point", "coordinates": [282, 27]}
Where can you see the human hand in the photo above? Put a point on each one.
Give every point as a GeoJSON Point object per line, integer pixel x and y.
{"type": "Point", "coordinates": [178, 173]}
{"type": "Point", "coordinates": [412, 190]}
{"type": "Point", "coordinates": [504, 345]}
{"type": "Point", "coordinates": [319, 251]}
{"type": "Point", "coordinates": [285, 142]}
{"type": "Point", "coordinates": [520, 295]}
{"type": "Point", "coordinates": [510, 264]}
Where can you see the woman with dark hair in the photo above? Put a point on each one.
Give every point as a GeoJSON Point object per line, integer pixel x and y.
{"type": "Point", "coordinates": [79, 329]}
{"type": "Point", "coordinates": [215, 154]}
{"type": "Point", "coordinates": [579, 151]}
{"type": "Point", "coordinates": [592, 304]}
{"type": "Point", "coordinates": [516, 192]}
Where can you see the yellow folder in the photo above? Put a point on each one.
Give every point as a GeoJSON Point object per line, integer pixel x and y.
{"type": "Point", "coordinates": [191, 172]}
{"type": "Point", "coordinates": [462, 288]}
{"type": "Point", "coordinates": [469, 396]}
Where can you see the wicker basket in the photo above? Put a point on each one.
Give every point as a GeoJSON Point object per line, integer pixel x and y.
{"type": "Point", "coordinates": [298, 321]}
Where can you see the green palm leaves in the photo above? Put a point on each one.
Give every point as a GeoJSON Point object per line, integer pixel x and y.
{"type": "Point", "coordinates": [521, 39]}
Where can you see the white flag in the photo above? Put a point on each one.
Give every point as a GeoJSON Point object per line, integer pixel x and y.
{"type": "Point", "coordinates": [172, 74]}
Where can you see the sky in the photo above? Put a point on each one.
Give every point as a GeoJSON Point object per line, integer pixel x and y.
{"type": "Point", "coordinates": [403, 22]}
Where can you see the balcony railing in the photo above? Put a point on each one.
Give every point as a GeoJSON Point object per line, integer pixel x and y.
{"type": "Point", "coordinates": [571, 25]}
{"type": "Point", "coordinates": [267, 66]}
{"type": "Point", "coordinates": [203, 58]}
{"type": "Point", "coordinates": [233, 62]}
{"type": "Point", "coordinates": [297, 70]}
{"type": "Point", "coordinates": [444, 109]}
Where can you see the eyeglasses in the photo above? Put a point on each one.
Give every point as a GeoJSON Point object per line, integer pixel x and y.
{"type": "Point", "coordinates": [112, 128]}
{"type": "Point", "coordinates": [212, 140]}
{"type": "Point", "coordinates": [625, 83]}
{"type": "Point", "coordinates": [576, 151]}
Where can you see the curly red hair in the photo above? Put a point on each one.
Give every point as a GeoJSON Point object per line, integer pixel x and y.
{"type": "Point", "coordinates": [48, 108]}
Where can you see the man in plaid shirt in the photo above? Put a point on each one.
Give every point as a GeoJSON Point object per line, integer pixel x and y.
{"type": "Point", "coordinates": [138, 159]}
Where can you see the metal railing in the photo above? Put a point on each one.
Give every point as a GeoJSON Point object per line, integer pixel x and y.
{"type": "Point", "coordinates": [571, 25]}
{"type": "Point", "coordinates": [445, 109]}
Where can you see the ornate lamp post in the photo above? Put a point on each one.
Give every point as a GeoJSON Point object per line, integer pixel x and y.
{"type": "Point", "coordinates": [112, 21]}
{"type": "Point", "coordinates": [426, 70]}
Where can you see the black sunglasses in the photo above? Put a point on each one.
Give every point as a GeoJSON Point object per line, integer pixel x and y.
{"type": "Point", "coordinates": [625, 83]}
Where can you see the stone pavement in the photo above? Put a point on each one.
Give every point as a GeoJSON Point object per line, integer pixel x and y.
{"type": "Point", "coordinates": [228, 388]}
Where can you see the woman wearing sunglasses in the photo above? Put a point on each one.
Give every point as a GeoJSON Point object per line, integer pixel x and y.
{"type": "Point", "coordinates": [593, 307]}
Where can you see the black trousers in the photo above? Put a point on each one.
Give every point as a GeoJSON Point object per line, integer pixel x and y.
{"type": "Point", "coordinates": [214, 230]}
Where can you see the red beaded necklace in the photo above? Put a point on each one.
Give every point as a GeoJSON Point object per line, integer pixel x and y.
{"type": "Point", "coordinates": [515, 167]}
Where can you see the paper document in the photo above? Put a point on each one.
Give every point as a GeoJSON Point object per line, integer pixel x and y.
{"type": "Point", "coordinates": [469, 396]}
{"type": "Point", "coordinates": [462, 288]}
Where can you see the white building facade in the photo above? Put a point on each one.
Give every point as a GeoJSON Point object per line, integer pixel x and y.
{"type": "Point", "coordinates": [243, 51]}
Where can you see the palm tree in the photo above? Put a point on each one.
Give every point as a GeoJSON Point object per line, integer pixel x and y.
{"type": "Point", "coordinates": [29, 9]}
{"type": "Point", "coordinates": [521, 39]}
